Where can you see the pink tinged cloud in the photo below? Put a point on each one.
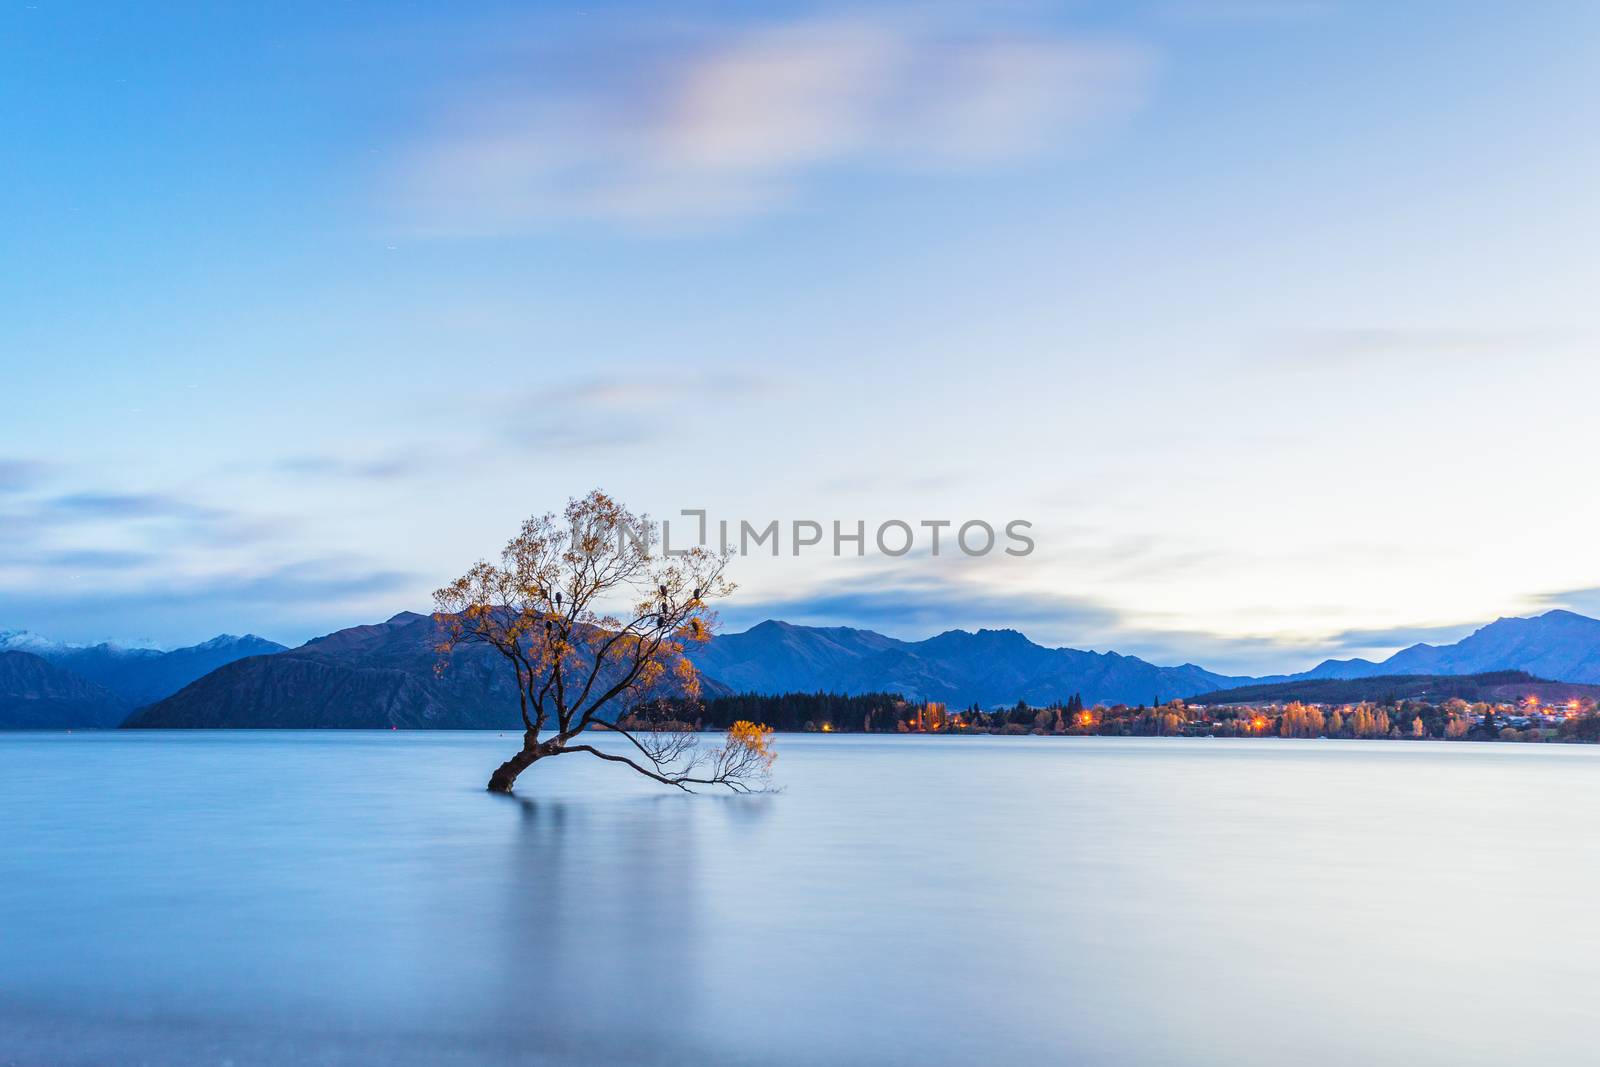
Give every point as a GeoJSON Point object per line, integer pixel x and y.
{"type": "Point", "coordinates": [734, 127]}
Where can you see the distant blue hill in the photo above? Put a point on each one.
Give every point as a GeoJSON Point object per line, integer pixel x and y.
{"type": "Point", "coordinates": [114, 679]}
{"type": "Point", "coordinates": [1002, 666]}
{"type": "Point", "coordinates": [141, 675]}
{"type": "Point", "coordinates": [957, 667]}
{"type": "Point", "coordinates": [1562, 646]}
{"type": "Point", "coordinates": [35, 694]}
{"type": "Point", "coordinates": [383, 675]}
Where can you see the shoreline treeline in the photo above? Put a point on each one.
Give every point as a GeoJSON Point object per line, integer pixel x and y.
{"type": "Point", "coordinates": [1450, 720]}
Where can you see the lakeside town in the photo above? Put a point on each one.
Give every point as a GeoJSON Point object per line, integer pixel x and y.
{"type": "Point", "coordinates": [1525, 719]}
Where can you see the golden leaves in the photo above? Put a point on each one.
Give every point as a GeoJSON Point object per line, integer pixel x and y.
{"type": "Point", "coordinates": [756, 740]}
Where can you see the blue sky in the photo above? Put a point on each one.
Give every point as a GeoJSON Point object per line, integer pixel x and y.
{"type": "Point", "coordinates": [1275, 317]}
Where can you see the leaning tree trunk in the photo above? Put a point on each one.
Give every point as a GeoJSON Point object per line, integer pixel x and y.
{"type": "Point", "coordinates": [505, 775]}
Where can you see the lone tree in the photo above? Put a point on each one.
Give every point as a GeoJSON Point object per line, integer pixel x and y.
{"type": "Point", "coordinates": [544, 609]}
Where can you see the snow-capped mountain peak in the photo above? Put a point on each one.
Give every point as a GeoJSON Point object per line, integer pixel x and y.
{"type": "Point", "coordinates": [28, 641]}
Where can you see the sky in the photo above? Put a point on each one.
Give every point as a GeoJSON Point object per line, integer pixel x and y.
{"type": "Point", "coordinates": [1274, 318]}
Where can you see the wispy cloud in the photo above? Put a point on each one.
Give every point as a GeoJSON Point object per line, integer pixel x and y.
{"type": "Point", "coordinates": [17, 475]}
{"type": "Point", "coordinates": [95, 559]}
{"type": "Point", "coordinates": [918, 603]}
{"type": "Point", "coordinates": [379, 469]}
{"type": "Point", "coordinates": [161, 565]}
{"type": "Point", "coordinates": [118, 540]}
{"type": "Point", "coordinates": [304, 582]}
{"type": "Point", "coordinates": [622, 410]}
{"type": "Point", "coordinates": [1385, 641]}
{"type": "Point", "coordinates": [712, 123]}
{"type": "Point", "coordinates": [1584, 601]}
{"type": "Point", "coordinates": [107, 505]}
{"type": "Point", "coordinates": [171, 521]}
{"type": "Point", "coordinates": [291, 600]}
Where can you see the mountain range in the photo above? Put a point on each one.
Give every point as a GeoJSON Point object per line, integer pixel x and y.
{"type": "Point", "coordinates": [956, 667]}
{"type": "Point", "coordinates": [35, 694]}
{"type": "Point", "coordinates": [1559, 645]}
{"type": "Point", "coordinates": [98, 685]}
{"type": "Point", "coordinates": [371, 677]}
{"type": "Point", "coordinates": [383, 674]}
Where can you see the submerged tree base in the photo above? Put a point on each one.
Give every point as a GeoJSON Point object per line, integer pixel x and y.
{"type": "Point", "coordinates": [505, 775]}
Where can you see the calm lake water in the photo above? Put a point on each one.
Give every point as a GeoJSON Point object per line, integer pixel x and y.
{"type": "Point", "coordinates": [356, 898]}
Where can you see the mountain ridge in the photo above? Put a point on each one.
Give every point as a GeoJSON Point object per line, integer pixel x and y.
{"type": "Point", "coordinates": [1559, 644]}
{"type": "Point", "coordinates": [129, 676]}
{"type": "Point", "coordinates": [35, 694]}
{"type": "Point", "coordinates": [382, 674]}
{"type": "Point", "coordinates": [959, 667]}
{"type": "Point", "coordinates": [140, 676]}
{"type": "Point", "coordinates": [373, 676]}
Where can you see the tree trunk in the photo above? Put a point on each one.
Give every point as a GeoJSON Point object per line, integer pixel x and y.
{"type": "Point", "coordinates": [505, 775]}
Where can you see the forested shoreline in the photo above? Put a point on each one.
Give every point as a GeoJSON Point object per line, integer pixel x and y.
{"type": "Point", "coordinates": [1454, 719]}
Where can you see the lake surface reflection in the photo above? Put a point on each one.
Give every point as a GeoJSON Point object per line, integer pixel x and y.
{"type": "Point", "coordinates": [356, 898]}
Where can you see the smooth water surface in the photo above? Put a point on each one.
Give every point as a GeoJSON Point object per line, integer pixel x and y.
{"type": "Point", "coordinates": [356, 898]}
